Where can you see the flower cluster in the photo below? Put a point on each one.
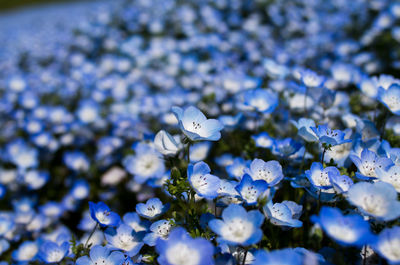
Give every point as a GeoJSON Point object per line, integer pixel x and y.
{"type": "Point", "coordinates": [201, 132]}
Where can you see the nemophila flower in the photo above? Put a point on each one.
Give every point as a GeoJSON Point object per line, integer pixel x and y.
{"type": "Point", "coordinates": [101, 255]}
{"type": "Point", "coordinates": [4, 246]}
{"type": "Point", "coordinates": [76, 160]}
{"type": "Point", "coordinates": [35, 179]}
{"type": "Point", "coordinates": [368, 162]}
{"type": "Point", "coordinates": [134, 221]}
{"type": "Point", "coordinates": [80, 190]}
{"type": "Point", "coordinates": [371, 86]}
{"type": "Point", "coordinates": [304, 126]}
{"type": "Point", "coordinates": [328, 136]}
{"type": "Point", "coordinates": [311, 79]}
{"type": "Point", "coordinates": [146, 164]}
{"type": "Point", "coordinates": [181, 249]}
{"type": "Point", "coordinates": [274, 69]}
{"type": "Point", "coordinates": [167, 144]}
{"type": "Point", "coordinates": [26, 252]}
{"type": "Point", "coordinates": [263, 140]}
{"type": "Point", "coordinates": [350, 230]}
{"type": "Point", "coordinates": [286, 147]}
{"type": "Point", "coordinates": [196, 126]}
{"type": "Point", "coordinates": [270, 172]}
{"type": "Point", "coordinates": [22, 155]}
{"type": "Point", "coordinates": [199, 151]}
{"type": "Point", "coordinates": [51, 252]}
{"type": "Point", "coordinates": [6, 225]}
{"type": "Point", "coordinates": [159, 229]}
{"type": "Point", "coordinates": [152, 209]}
{"type": "Point", "coordinates": [340, 183]}
{"type": "Point", "coordinates": [261, 100]}
{"type": "Point", "coordinates": [236, 169]}
{"type": "Point", "coordinates": [224, 160]}
{"type": "Point", "coordinates": [88, 111]}
{"type": "Point", "coordinates": [319, 176]}
{"type": "Point", "coordinates": [102, 214]}
{"type": "Point", "coordinates": [388, 244]}
{"type": "Point", "coordinates": [227, 188]}
{"type": "Point", "coordinates": [250, 190]}
{"type": "Point", "coordinates": [391, 175]}
{"type": "Point", "coordinates": [238, 227]}
{"type": "Point", "coordinates": [205, 184]}
{"type": "Point", "coordinates": [339, 154]}
{"type": "Point", "coordinates": [38, 222]}
{"type": "Point", "coordinates": [124, 238]}
{"type": "Point", "coordinates": [52, 209]}
{"type": "Point", "coordinates": [284, 214]}
{"type": "Point", "coordinates": [378, 200]}
{"type": "Point", "coordinates": [230, 122]}
{"type": "Point", "coordinates": [281, 257]}
{"type": "Point", "coordinates": [391, 98]}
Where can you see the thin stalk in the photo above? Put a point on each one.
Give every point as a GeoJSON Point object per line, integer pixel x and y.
{"type": "Point", "coordinates": [323, 156]}
{"type": "Point", "coordinates": [91, 234]}
{"type": "Point", "coordinates": [245, 256]}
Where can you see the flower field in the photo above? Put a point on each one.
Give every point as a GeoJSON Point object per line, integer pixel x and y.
{"type": "Point", "coordinates": [199, 132]}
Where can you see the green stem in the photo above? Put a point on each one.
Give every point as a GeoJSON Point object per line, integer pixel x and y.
{"type": "Point", "coordinates": [91, 234]}
{"type": "Point", "coordinates": [188, 152]}
{"type": "Point", "coordinates": [323, 156]}
{"type": "Point", "coordinates": [245, 256]}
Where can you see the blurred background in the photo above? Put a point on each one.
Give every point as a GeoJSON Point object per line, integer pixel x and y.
{"type": "Point", "coordinates": [7, 4]}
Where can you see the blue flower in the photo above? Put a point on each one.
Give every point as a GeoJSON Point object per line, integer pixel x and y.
{"type": "Point", "coordinates": [319, 176]}
{"type": "Point", "coordinates": [388, 244]}
{"type": "Point", "coordinates": [146, 164]}
{"type": "Point", "coordinates": [330, 137]}
{"type": "Point", "coordinates": [4, 246]}
{"type": "Point", "coordinates": [391, 98]}
{"type": "Point", "coordinates": [80, 190]}
{"type": "Point", "coordinates": [304, 129]}
{"type": "Point", "coordinates": [286, 147]}
{"type": "Point", "coordinates": [368, 163]}
{"type": "Point", "coordinates": [102, 214]}
{"type": "Point", "coordinates": [159, 229]}
{"type": "Point", "coordinates": [311, 79]}
{"type": "Point", "coordinates": [50, 252]}
{"type": "Point", "coordinates": [76, 160]}
{"type": "Point", "coordinates": [181, 249]}
{"type": "Point", "coordinates": [350, 230]}
{"type": "Point", "coordinates": [270, 172]}
{"type": "Point", "coordinates": [152, 209]}
{"type": "Point", "coordinates": [205, 184]}
{"type": "Point", "coordinates": [22, 155]}
{"type": "Point", "coordinates": [199, 151]}
{"type": "Point", "coordinates": [281, 257]}
{"type": "Point", "coordinates": [250, 190]}
{"type": "Point", "coordinates": [340, 183]}
{"type": "Point", "coordinates": [237, 226]}
{"type": "Point", "coordinates": [263, 140]}
{"type": "Point", "coordinates": [35, 179]}
{"type": "Point", "coordinates": [124, 238]}
{"type": "Point", "coordinates": [378, 200]}
{"type": "Point", "coordinates": [102, 255]}
{"type": "Point", "coordinates": [6, 225]}
{"type": "Point", "coordinates": [236, 169]}
{"type": "Point", "coordinates": [230, 122]}
{"type": "Point", "coordinates": [196, 126]}
{"type": "Point", "coordinates": [391, 175]}
{"type": "Point", "coordinates": [166, 144]}
{"type": "Point", "coordinates": [133, 220]}
{"type": "Point", "coordinates": [283, 214]}
{"type": "Point", "coordinates": [261, 100]}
